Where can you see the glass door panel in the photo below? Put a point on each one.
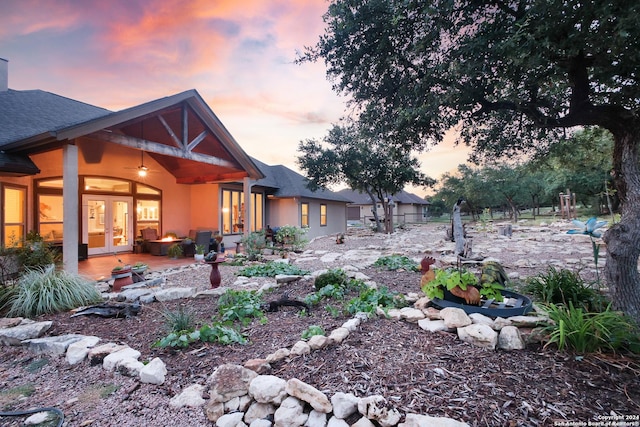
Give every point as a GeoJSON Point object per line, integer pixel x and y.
{"type": "Point", "coordinates": [107, 223]}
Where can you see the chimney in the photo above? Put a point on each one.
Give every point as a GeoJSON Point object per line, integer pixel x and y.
{"type": "Point", "coordinates": [4, 75]}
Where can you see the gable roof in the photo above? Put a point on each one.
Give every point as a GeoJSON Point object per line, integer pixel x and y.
{"type": "Point", "coordinates": [170, 129]}
{"type": "Point", "coordinates": [403, 197]}
{"type": "Point", "coordinates": [27, 114]}
{"type": "Point", "coordinates": [287, 183]}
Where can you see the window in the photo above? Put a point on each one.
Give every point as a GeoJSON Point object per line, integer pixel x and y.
{"type": "Point", "coordinates": [304, 215]}
{"type": "Point", "coordinates": [233, 211]}
{"type": "Point", "coordinates": [50, 217]}
{"type": "Point", "coordinates": [14, 223]}
{"type": "Point", "coordinates": [323, 215]}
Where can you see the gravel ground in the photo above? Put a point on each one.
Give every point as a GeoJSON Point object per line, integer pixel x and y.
{"type": "Point", "coordinates": [433, 374]}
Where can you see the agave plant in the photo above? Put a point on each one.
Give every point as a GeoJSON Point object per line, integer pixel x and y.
{"type": "Point", "coordinates": [590, 228]}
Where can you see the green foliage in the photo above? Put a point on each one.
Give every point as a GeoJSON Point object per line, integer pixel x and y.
{"type": "Point", "coordinates": [291, 236]}
{"type": "Point", "coordinates": [181, 319]}
{"type": "Point", "coordinates": [43, 291]}
{"type": "Point", "coordinates": [37, 365]}
{"type": "Point", "coordinates": [492, 291]}
{"type": "Point", "coordinates": [370, 299]}
{"type": "Point", "coordinates": [397, 262]}
{"type": "Point", "coordinates": [253, 244]}
{"type": "Point", "coordinates": [576, 329]}
{"type": "Point", "coordinates": [448, 279]}
{"type": "Point", "coordinates": [241, 306]}
{"type": "Point", "coordinates": [271, 269]}
{"type": "Point", "coordinates": [217, 332]}
{"type": "Point", "coordinates": [564, 287]}
{"type": "Point", "coordinates": [336, 277]}
{"type": "Point", "coordinates": [311, 331]}
{"type": "Point", "coordinates": [175, 250]}
{"type": "Point", "coordinates": [222, 334]}
{"type": "Point", "coordinates": [350, 154]}
{"type": "Point", "coordinates": [200, 249]}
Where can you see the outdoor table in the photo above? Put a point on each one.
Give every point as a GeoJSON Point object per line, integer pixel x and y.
{"type": "Point", "coordinates": [159, 247]}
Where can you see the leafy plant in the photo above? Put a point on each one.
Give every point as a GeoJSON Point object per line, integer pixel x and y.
{"type": "Point", "coordinates": [179, 320]}
{"type": "Point", "coordinates": [492, 291]}
{"type": "Point", "coordinates": [216, 333]}
{"type": "Point", "coordinates": [311, 331]}
{"type": "Point", "coordinates": [33, 252]}
{"type": "Point", "coordinates": [175, 250]}
{"type": "Point", "coordinates": [43, 291]}
{"type": "Point", "coordinates": [291, 236]}
{"type": "Point", "coordinates": [370, 299]}
{"type": "Point", "coordinates": [253, 244]}
{"type": "Point", "coordinates": [200, 249]}
{"type": "Point", "coordinates": [221, 334]}
{"type": "Point", "coordinates": [564, 287]}
{"type": "Point", "coordinates": [271, 269]}
{"type": "Point", "coordinates": [448, 279]}
{"type": "Point", "coordinates": [241, 306]}
{"type": "Point", "coordinates": [585, 332]}
{"type": "Point", "coordinates": [336, 277]}
{"type": "Point", "coordinates": [397, 262]}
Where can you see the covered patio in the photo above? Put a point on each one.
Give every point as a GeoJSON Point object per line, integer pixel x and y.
{"type": "Point", "coordinates": [99, 267]}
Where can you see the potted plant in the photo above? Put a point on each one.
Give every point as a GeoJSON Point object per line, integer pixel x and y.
{"type": "Point", "coordinates": [175, 250]}
{"type": "Point", "coordinates": [199, 255]}
{"type": "Point", "coordinates": [121, 276]}
{"type": "Point", "coordinates": [138, 270]}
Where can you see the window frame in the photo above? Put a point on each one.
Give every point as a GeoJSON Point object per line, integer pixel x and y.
{"type": "Point", "coordinates": [304, 216]}
{"type": "Point", "coordinates": [323, 215]}
{"type": "Point", "coordinates": [25, 193]}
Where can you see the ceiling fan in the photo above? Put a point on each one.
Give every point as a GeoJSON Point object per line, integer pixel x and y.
{"type": "Point", "coordinates": [142, 169]}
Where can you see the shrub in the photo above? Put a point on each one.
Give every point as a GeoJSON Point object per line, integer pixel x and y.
{"type": "Point", "coordinates": [336, 277]}
{"type": "Point", "coordinates": [253, 244]}
{"type": "Point", "coordinates": [564, 287]}
{"type": "Point", "coordinates": [42, 291]}
{"type": "Point", "coordinates": [585, 332]}
{"type": "Point", "coordinates": [290, 236]}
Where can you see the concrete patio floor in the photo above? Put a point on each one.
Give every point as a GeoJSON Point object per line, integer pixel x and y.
{"type": "Point", "coordinates": [99, 267]}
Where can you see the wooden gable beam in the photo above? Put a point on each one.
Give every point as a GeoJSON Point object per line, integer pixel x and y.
{"type": "Point", "coordinates": [154, 147]}
{"type": "Point", "coordinates": [185, 132]}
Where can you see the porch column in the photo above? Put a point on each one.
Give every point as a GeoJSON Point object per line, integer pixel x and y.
{"type": "Point", "coordinates": [70, 208]}
{"type": "Point", "coordinates": [246, 188]}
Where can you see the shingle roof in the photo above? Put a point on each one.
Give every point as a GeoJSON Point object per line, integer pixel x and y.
{"type": "Point", "coordinates": [403, 197]}
{"type": "Point", "coordinates": [24, 114]}
{"type": "Point", "coordinates": [288, 183]}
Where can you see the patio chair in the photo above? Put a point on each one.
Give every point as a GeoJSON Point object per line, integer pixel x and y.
{"type": "Point", "coordinates": [148, 234]}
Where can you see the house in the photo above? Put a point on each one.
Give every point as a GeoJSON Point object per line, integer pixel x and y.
{"type": "Point", "coordinates": [408, 207]}
{"type": "Point", "coordinates": [90, 180]}
{"type": "Point", "coordinates": [290, 202]}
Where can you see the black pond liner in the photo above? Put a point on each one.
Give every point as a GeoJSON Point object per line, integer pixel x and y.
{"type": "Point", "coordinates": [514, 304]}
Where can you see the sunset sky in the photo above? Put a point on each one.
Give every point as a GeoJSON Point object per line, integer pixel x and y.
{"type": "Point", "coordinates": [238, 54]}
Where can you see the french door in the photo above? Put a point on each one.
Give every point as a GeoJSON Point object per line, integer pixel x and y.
{"type": "Point", "coordinates": [107, 223]}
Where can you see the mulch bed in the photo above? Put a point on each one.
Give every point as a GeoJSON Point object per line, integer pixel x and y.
{"type": "Point", "coordinates": [416, 371]}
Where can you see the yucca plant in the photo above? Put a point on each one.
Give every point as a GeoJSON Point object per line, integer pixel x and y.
{"type": "Point", "coordinates": [585, 332]}
{"type": "Point", "coordinates": [46, 290]}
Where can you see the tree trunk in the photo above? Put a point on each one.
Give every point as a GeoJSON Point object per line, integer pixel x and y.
{"type": "Point", "coordinates": [623, 250]}
{"type": "Point", "coordinates": [375, 211]}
